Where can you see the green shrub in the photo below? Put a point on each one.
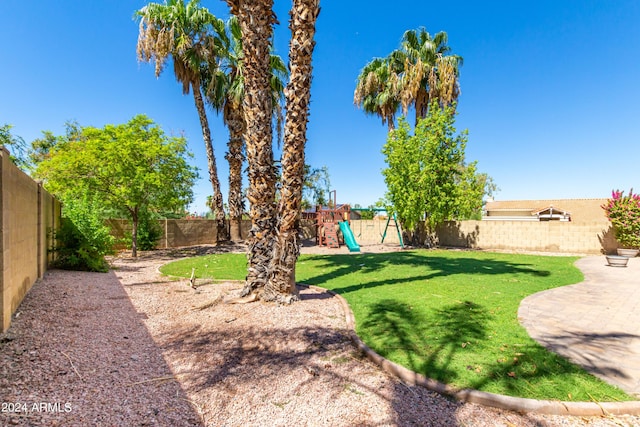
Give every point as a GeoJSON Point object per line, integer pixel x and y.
{"type": "Point", "coordinates": [149, 231]}
{"type": "Point", "coordinates": [82, 241]}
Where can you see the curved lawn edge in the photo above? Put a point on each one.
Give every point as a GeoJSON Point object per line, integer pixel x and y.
{"type": "Point", "coordinates": [517, 404]}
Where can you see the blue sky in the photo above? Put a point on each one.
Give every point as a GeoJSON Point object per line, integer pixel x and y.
{"type": "Point", "coordinates": [550, 88]}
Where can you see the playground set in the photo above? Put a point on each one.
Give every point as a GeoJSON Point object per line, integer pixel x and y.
{"type": "Point", "coordinates": [333, 226]}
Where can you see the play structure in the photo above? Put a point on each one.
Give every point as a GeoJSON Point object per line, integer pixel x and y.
{"type": "Point", "coordinates": [330, 221]}
{"type": "Point", "coordinates": [332, 226]}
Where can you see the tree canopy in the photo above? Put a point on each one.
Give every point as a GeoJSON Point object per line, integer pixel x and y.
{"type": "Point", "coordinates": [420, 71]}
{"type": "Point", "coordinates": [16, 146]}
{"type": "Point", "coordinates": [315, 186]}
{"type": "Point", "coordinates": [427, 176]}
{"type": "Point", "coordinates": [133, 167]}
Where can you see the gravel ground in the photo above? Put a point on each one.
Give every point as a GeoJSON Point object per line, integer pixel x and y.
{"type": "Point", "coordinates": [133, 348]}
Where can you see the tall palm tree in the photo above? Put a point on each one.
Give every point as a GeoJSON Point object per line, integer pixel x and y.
{"type": "Point", "coordinates": [428, 70]}
{"type": "Point", "coordinates": [420, 70]}
{"type": "Point", "coordinates": [188, 33]}
{"type": "Point", "coordinates": [376, 91]}
{"type": "Point", "coordinates": [281, 286]}
{"type": "Point", "coordinates": [225, 91]}
{"type": "Point", "coordinates": [256, 22]}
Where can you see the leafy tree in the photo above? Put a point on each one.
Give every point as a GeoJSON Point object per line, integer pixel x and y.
{"type": "Point", "coordinates": [133, 167]}
{"type": "Point", "coordinates": [427, 176]}
{"type": "Point", "coordinates": [368, 213]}
{"type": "Point", "coordinates": [149, 231]}
{"type": "Point", "coordinates": [315, 187]}
{"type": "Point", "coordinates": [624, 214]}
{"type": "Point", "coordinates": [16, 146]}
{"type": "Point", "coordinates": [41, 147]}
{"type": "Point", "coordinates": [190, 35]}
{"type": "Point", "coordinates": [83, 240]}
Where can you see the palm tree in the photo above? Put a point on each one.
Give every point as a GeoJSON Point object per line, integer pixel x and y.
{"type": "Point", "coordinates": [188, 33]}
{"type": "Point", "coordinates": [421, 70]}
{"type": "Point", "coordinates": [281, 286]}
{"type": "Point", "coordinates": [225, 91]}
{"type": "Point", "coordinates": [256, 22]}
{"type": "Point", "coordinates": [429, 72]}
{"type": "Point", "coordinates": [376, 91]}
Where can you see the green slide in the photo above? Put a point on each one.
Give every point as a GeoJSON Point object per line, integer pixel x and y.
{"type": "Point", "coordinates": [349, 239]}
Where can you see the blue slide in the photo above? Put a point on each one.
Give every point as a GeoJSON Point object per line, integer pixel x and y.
{"type": "Point", "coordinates": [349, 239]}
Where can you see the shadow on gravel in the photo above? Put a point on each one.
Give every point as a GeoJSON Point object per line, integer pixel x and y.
{"type": "Point", "coordinates": [222, 363]}
{"type": "Point", "coordinates": [78, 346]}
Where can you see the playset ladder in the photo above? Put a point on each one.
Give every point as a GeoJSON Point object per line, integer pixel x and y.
{"type": "Point", "coordinates": [331, 235]}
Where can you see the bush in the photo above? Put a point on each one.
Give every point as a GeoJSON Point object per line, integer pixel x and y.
{"type": "Point", "coordinates": [82, 241]}
{"type": "Point", "coordinates": [624, 214]}
{"type": "Point", "coordinates": [149, 231]}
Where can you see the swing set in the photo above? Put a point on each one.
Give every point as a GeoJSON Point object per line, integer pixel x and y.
{"type": "Point", "coordinates": [390, 218]}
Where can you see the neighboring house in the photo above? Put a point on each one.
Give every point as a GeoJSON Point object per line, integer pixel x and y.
{"type": "Point", "coordinates": [574, 210]}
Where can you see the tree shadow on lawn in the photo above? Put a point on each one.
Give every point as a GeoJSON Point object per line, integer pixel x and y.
{"type": "Point", "coordinates": [434, 345]}
{"type": "Point", "coordinates": [429, 344]}
{"type": "Point", "coordinates": [418, 267]}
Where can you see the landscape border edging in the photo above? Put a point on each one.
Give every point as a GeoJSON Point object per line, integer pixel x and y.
{"type": "Point", "coordinates": [517, 404]}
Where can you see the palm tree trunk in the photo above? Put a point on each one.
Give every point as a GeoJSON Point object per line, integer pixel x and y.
{"type": "Point", "coordinates": [422, 104]}
{"type": "Point", "coordinates": [235, 157]}
{"type": "Point", "coordinates": [391, 126]}
{"type": "Point", "coordinates": [281, 286]}
{"type": "Point", "coordinates": [216, 201]}
{"type": "Point", "coordinates": [256, 20]}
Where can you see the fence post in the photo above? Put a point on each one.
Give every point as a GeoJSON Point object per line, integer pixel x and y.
{"type": "Point", "coordinates": [166, 233]}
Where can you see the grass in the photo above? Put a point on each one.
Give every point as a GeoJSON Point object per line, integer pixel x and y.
{"type": "Point", "coordinates": [451, 315]}
{"type": "Point", "coordinates": [217, 267]}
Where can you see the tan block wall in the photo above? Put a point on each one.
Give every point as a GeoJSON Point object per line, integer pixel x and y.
{"type": "Point", "coordinates": [24, 235]}
{"type": "Point", "coordinates": [189, 232]}
{"type": "Point", "coordinates": [370, 231]}
{"type": "Point", "coordinates": [175, 232]}
{"type": "Point", "coordinates": [547, 236]}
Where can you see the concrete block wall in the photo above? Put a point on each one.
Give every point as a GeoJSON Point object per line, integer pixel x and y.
{"type": "Point", "coordinates": [370, 231]}
{"type": "Point", "coordinates": [188, 232]}
{"type": "Point", "coordinates": [175, 232]}
{"type": "Point", "coordinates": [26, 212]}
{"type": "Point", "coordinates": [592, 237]}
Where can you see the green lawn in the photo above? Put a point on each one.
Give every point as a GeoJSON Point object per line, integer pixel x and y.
{"type": "Point", "coordinates": [450, 315]}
